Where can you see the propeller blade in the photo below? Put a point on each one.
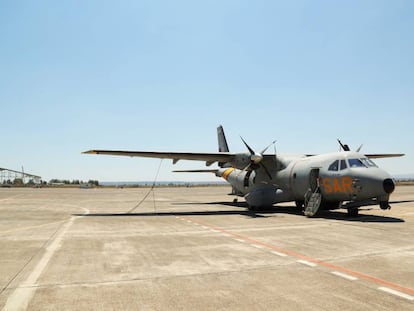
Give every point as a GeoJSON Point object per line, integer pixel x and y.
{"type": "Point", "coordinates": [359, 148]}
{"type": "Point", "coordinates": [247, 146]}
{"type": "Point", "coordinates": [266, 170]}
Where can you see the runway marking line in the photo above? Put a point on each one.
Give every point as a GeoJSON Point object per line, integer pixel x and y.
{"type": "Point", "coordinates": [360, 275]}
{"type": "Point", "coordinates": [306, 263]}
{"type": "Point", "coordinates": [278, 254]}
{"type": "Point", "coordinates": [30, 227]}
{"type": "Point", "coordinates": [22, 295]}
{"type": "Point", "coordinates": [257, 246]}
{"type": "Point", "coordinates": [396, 293]}
{"type": "Point", "coordinates": [344, 276]}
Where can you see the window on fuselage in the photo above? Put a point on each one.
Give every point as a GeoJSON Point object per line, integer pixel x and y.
{"type": "Point", "coordinates": [343, 165]}
{"type": "Point", "coordinates": [356, 163]}
{"type": "Point", "coordinates": [368, 162]}
{"type": "Point", "coordinates": [334, 166]}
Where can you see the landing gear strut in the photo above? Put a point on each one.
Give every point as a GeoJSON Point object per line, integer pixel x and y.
{"type": "Point", "coordinates": [353, 212]}
{"type": "Point", "coordinates": [385, 205]}
{"type": "Point", "coordinates": [299, 204]}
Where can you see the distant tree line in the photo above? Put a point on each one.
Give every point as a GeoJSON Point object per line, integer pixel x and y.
{"type": "Point", "coordinates": [73, 182]}
{"type": "Point", "coordinates": [19, 181]}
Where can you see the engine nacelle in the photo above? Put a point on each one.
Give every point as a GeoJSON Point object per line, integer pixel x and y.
{"type": "Point", "coordinates": [244, 183]}
{"type": "Point", "coordinates": [240, 180]}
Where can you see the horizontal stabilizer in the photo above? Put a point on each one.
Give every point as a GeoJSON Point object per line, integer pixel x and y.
{"type": "Point", "coordinates": [195, 171]}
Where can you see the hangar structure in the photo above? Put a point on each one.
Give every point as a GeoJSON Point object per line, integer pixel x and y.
{"type": "Point", "coordinates": [12, 177]}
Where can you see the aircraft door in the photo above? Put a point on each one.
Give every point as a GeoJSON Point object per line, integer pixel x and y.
{"type": "Point", "coordinates": [314, 179]}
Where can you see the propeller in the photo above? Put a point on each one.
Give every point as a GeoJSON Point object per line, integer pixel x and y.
{"type": "Point", "coordinates": [256, 158]}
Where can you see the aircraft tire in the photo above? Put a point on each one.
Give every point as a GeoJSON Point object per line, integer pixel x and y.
{"type": "Point", "coordinates": [384, 205]}
{"type": "Point", "coordinates": [353, 212]}
{"type": "Point", "coordinates": [253, 208]}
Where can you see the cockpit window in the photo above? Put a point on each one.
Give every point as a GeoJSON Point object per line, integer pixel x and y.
{"type": "Point", "coordinates": [368, 162]}
{"type": "Point", "coordinates": [343, 165]}
{"type": "Point", "coordinates": [334, 166]}
{"type": "Point", "coordinates": [356, 163]}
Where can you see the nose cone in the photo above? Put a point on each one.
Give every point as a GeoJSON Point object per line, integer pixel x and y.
{"type": "Point", "coordinates": [388, 185]}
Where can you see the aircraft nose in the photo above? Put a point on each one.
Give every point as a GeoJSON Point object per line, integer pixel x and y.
{"type": "Point", "coordinates": [388, 185]}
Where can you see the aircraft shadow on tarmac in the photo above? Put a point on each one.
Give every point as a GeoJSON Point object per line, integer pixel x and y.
{"type": "Point", "coordinates": [262, 213]}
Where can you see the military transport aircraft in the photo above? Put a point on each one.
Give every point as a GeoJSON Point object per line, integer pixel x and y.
{"type": "Point", "coordinates": [343, 179]}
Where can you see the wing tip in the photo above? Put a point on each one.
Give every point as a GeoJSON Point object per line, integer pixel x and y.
{"type": "Point", "coordinates": [385, 155]}
{"type": "Point", "coordinates": [90, 152]}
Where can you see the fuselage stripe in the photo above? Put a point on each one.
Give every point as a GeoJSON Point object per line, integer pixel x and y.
{"type": "Point", "coordinates": [227, 173]}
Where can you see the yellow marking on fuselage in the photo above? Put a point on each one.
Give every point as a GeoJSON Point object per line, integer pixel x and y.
{"type": "Point", "coordinates": [337, 184]}
{"type": "Point", "coordinates": [227, 172]}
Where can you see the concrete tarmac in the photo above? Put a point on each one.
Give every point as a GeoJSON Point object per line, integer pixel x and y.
{"type": "Point", "coordinates": [192, 249]}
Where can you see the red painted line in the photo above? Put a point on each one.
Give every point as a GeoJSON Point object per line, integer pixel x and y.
{"type": "Point", "coordinates": [314, 260]}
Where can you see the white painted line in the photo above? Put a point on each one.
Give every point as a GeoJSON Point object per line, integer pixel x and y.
{"type": "Point", "coordinates": [257, 246]}
{"type": "Point", "coordinates": [278, 254]}
{"type": "Point", "coordinates": [307, 263]}
{"type": "Point", "coordinates": [22, 295]}
{"type": "Point", "coordinates": [396, 293]}
{"type": "Point", "coordinates": [345, 276]}
{"type": "Point", "coordinates": [240, 240]}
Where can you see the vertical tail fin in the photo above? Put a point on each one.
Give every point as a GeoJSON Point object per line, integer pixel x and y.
{"type": "Point", "coordinates": [222, 142]}
{"type": "Point", "coordinates": [223, 147]}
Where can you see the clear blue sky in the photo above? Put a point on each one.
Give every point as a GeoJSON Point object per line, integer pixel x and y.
{"type": "Point", "coordinates": [161, 75]}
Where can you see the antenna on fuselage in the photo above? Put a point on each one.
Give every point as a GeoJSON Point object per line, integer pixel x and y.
{"type": "Point", "coordinates": [359, 148]}
{"type": "Point", "coordinates": [344, 147]}
{"type": "Point", "coordinates": [274, 149]}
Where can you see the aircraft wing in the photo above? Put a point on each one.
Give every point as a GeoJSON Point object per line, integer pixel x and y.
{"type": "Point", "coordinates": [210, 158]}
{"type": "Point", "coordinates": [384, 155]}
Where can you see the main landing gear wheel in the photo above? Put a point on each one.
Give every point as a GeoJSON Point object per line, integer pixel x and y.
{"type": "Point", "coordinates": [353, 212]}
{"type": "Point", "coordinates": [253, 208]}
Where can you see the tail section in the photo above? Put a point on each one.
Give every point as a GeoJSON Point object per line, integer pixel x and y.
{"type": "Point", "coordinates": [222, 142]}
